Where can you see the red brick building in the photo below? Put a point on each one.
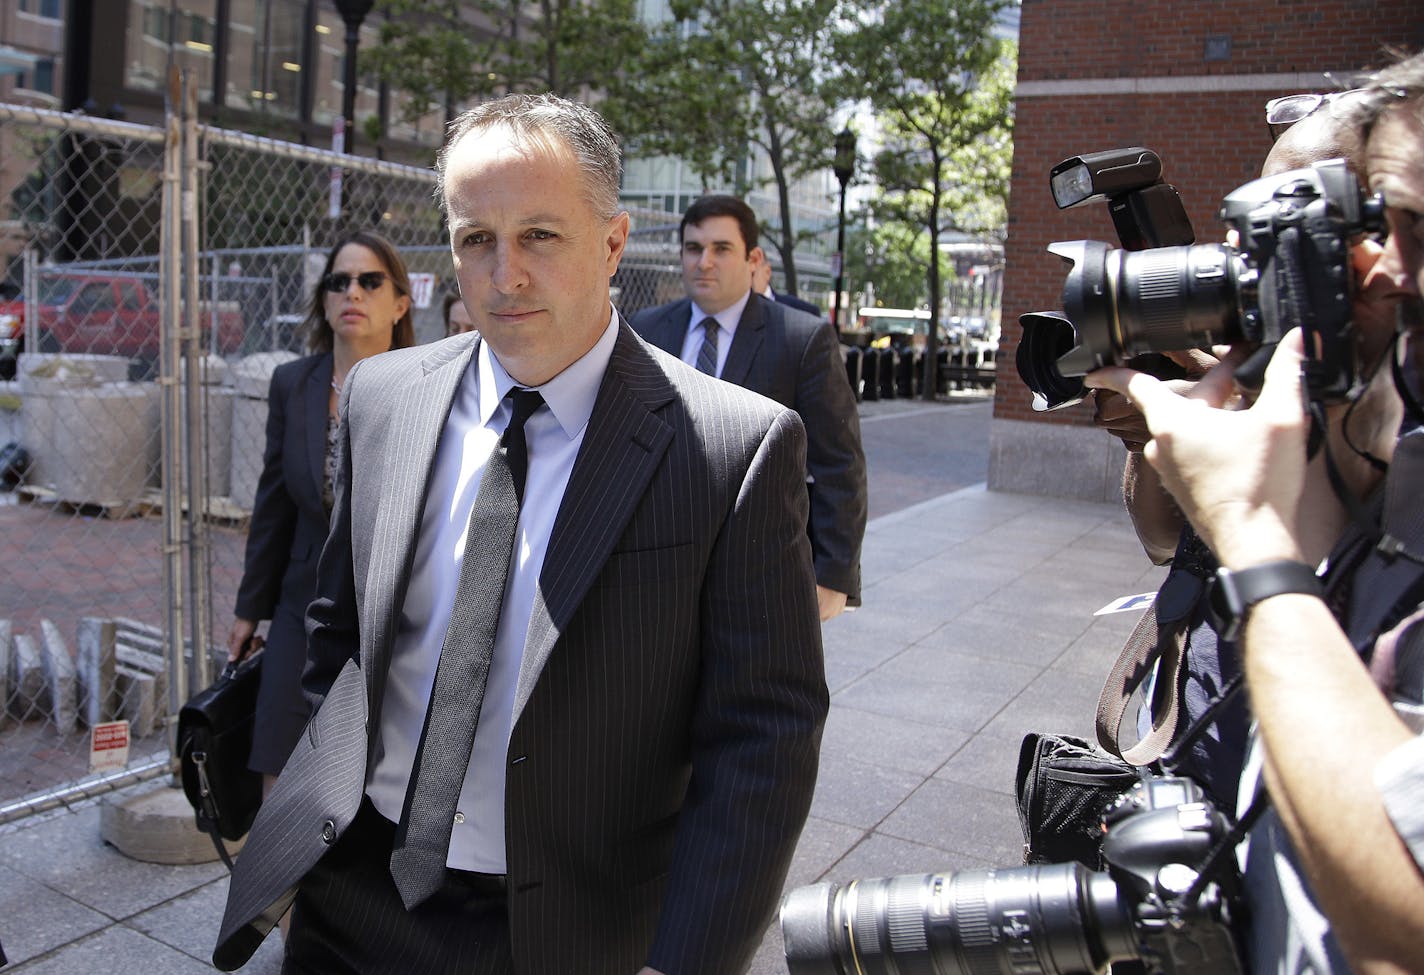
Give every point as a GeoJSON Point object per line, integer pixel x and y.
{"type": "Point", "coordinates": [1187, 80]}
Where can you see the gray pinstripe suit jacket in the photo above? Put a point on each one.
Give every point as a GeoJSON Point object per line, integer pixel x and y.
{"type": "Point", "coordinates": [670, 704]}
{"type": "Point", "coordinates": [794, 358]}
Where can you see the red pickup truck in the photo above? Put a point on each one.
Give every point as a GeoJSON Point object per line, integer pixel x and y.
{"type": "Point", "coordinates": [104, 314]}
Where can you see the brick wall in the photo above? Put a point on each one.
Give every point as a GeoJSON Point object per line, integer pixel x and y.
{"type": "Point", "coordinates": [1210, 131]}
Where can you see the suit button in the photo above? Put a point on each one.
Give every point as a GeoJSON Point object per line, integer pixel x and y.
{"type": "Point", "coordinates": [328, 832]}
{"type": "Point", "coordinates": [459, 818]}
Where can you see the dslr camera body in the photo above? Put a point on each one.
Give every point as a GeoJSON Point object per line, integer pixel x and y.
{"type": "Point", "coordinates": [1150, 904]}
{"type": "Point", "coordinates": [1288, 267]}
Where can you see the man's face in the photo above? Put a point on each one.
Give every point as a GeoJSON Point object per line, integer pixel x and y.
{"type": "Point", "coordinates": [1395, 161]}
{"type": "Point", "coordinates": [716, 265]}
{"type": "Point", "coordinates": [532, 257]}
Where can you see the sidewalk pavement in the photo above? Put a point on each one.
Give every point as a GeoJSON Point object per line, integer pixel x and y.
{"type": "Point", "coordinates": [978, 626]}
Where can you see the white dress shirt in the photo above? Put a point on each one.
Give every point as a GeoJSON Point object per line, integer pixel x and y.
{"type": "Point", "coordinates": [477, 418]}
{"type": "Point", "coordinates": [727, 320]}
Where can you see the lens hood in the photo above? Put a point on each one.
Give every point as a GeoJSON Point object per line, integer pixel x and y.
{"type": "Point", "coordinates": [1047, 336]}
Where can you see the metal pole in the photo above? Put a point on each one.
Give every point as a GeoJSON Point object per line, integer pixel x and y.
{"type": "Point", "coordinates": [195, 362]}
{"type": "Point", "coordinates": [840, 263]}
{"type": "Point", "coordinates": [170, 427]}
{"type": "Point", "coordinates": [348, 84]}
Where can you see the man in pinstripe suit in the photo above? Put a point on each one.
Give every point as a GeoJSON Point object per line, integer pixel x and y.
{"type": "Point", "coordinates": [646, 749]}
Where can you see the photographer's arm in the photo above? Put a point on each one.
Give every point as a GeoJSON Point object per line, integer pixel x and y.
{"type": "Point", "coordinates": [1155, 515]}
{"type": "Point", "coordinates": [1242, 479]}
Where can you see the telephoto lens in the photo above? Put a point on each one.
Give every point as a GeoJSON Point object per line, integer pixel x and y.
{"type": "Point", "coordinates": [1055, 919]}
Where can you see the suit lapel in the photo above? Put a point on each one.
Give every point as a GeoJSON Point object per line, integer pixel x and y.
{"type": "Point", "coordinates": [668, 332]}
{"type": "Point", "coordinates": [316, 395]}
{"type": "Point", "coordinates": [622, 447]}
{"type": "Point", "coordinates": [746, 341]}
{"type": "Point", "coordinates": [420, 410]}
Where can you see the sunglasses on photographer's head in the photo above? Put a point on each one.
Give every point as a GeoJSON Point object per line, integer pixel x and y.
{"type": "Point", "coordinates": [338, 282]}
{"type": "Point", "coordinates": [1283, 112]}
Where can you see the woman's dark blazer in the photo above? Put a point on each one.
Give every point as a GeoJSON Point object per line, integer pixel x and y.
{"type": "Point", "coordinates": [288, 529]}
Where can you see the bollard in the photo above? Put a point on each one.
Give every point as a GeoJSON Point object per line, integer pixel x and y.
{"type": "Point", "coordinates": [853, 361]}
{"type": "Point", "coordinates": [887, 373]}
{"type": "Point", "coordinates": [870, 367]}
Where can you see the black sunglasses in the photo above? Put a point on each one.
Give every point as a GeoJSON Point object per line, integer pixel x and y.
{"type": "Point", "coordinates": [338, 283]}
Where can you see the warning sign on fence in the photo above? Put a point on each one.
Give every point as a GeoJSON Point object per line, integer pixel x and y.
{"type": "Point", "coordinates": [422, 289]}
{"type": "Point", "coordinates": [109, 746]}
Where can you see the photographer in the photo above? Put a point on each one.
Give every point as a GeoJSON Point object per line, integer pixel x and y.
{"type": "Point", "coordinates": [1333, 869]}
{"type": "Point", "coordinates": [1215, 756]}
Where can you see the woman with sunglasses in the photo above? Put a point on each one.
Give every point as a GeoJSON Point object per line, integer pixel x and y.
{"type": "Point", "coordinates": [361, 307]}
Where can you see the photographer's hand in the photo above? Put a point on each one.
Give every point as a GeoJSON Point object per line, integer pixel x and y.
{"type": "Point", "coordinates": [1237, 474]}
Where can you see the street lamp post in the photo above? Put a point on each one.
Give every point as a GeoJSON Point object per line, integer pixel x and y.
{"type": "Point", "coordinates": [353, 12]}
{"type": "Point", "coordinates": [844, 167]}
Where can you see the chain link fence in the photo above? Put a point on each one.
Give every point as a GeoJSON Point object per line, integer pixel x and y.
{"type": "Point", "coordinates": [151, 278]}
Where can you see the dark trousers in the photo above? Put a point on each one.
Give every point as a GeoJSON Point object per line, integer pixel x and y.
{"type": "Point", "coordinates": [348, 916]}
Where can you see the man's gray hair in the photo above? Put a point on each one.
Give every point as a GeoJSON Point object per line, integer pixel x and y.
{"type": "Point", "coordinates": [1397, 84]}
{"type": "Point", "coordinates": [539, 119]}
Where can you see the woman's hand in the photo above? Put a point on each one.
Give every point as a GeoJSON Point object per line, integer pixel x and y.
{"type": "Point", "coordinates": [241, 639]}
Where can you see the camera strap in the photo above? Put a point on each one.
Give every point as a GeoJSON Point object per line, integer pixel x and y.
{"type": "Point", "coordinates": [1211, 867]}
{"type": "Point", "coordinates": [1159, 639]}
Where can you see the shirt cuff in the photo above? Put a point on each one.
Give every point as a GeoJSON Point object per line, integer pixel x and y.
{"type": "Point", "coordinates": [1399, 776]}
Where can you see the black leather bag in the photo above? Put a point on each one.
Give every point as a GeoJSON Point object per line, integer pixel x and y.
{"type": "Point", "coordinates": [1063, 785]}
{"type": "Point", "coordinates": [214, 741]}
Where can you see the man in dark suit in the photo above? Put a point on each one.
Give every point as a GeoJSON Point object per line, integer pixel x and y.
{"type": "Point", "coordinates": [780, 352]}
{"type": "Point", "coordinates": [761, 285]}
{"type": "Point", "coordinates": [646, 733]}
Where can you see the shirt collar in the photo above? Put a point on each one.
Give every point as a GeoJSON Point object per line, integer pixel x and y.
{"type": "Point", "coordinates": [727, 318]}
{"type": "Point", "coordinates": [570, 395]}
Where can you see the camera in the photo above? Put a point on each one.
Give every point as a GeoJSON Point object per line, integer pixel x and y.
{"type": "Point", "coordinates": [1150, 904]}
{"type": "Point", "coordinates": [1290, 267]}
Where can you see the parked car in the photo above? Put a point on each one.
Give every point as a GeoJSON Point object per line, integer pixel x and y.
{"type": "Point", "coordinates": [105, 314]}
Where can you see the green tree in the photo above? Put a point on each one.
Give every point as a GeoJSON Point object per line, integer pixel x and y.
{"type": "Point", "coordinates": [725, 78]}
{"type": "Point", "coordinates": [940, 83]}
{"type": "Point", "coordinates": [444, 52]}
{"type": "Point", "coordinates": [891, 257]}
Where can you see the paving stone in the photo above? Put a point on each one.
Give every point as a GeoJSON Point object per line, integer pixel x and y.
{"type": "Point", "coordinates": [894, 742]}
{"type": "Point", "coordinates": [859, 793]}
{"type": "Point", "coordinates": [37, 919]}
{"type": "Point", "coordinates": [99, 699]}
{"type": "Point", "coordinates": [6, 655]}
{"type": "Point", "coordinates": [117, 950]}
{"type": "Point", "coordinates": [961, 818]}
{"type": "Point", "coordinates": [66, 854]}
{"type": "Point", "coordinates": [30, 698]}
{"type": "Point", "coordinates": [62, 678]}
{"type": "Point", "coordinates": [189, 923]}
{"type": "Point", "coordinates": [139, 700]}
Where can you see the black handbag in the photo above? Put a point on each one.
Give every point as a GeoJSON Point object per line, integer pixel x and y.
{"type": "Point", "coordinates": [214, 741]}
{"type": "Point", "coordinates": [1063, 785]}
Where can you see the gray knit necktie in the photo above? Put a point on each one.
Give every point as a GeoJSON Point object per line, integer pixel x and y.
{"type": "Point", "coordinates": [422, 842]}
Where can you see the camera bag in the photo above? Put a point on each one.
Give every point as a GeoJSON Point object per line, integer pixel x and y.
{"type": "Point", "coordinates": [214, 741]}
{"type": "Point", "coordinates": [1063, 785]}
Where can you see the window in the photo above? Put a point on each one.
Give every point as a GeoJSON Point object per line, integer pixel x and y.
{"type": "Point", "coordinates": [42, 8]}
{"type": "Point", "coordinates": [265, 64]}
{"type": "Point", "coordinates": [41, 79]}
{"type": "Point", "coordinates": [164, 32]}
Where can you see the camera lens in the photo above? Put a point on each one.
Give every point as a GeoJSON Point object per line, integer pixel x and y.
{"type": "Point", "coordinates": [1051, 919]}
{"type": "Point", "coordinates": [1123, 303]}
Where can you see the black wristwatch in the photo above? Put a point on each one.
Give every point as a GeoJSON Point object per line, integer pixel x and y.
{"type": "Point", "coordinates": [1234, 593]}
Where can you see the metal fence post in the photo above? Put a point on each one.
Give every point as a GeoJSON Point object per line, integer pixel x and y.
{"type": "Point", "coordinates": [170, 277]}
{"type": "Point", "coordinates": [195, 393]}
